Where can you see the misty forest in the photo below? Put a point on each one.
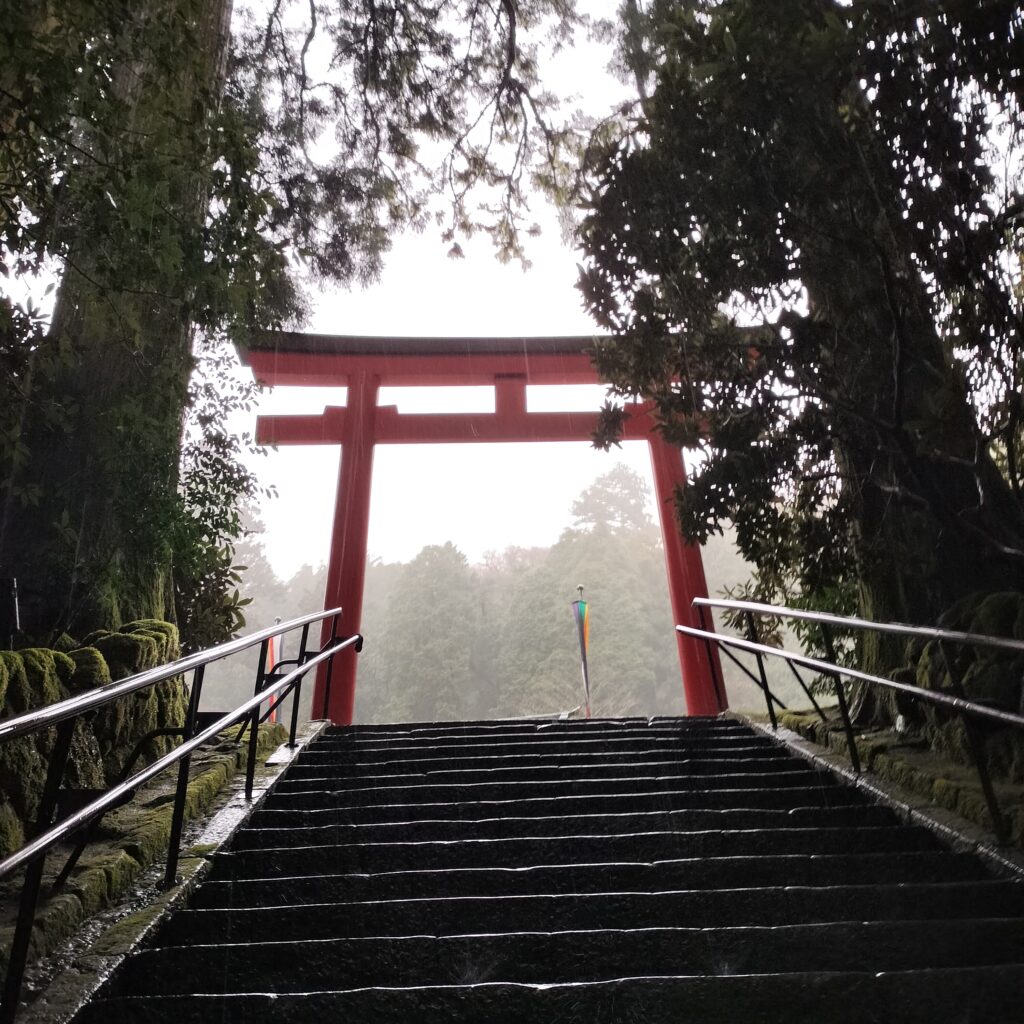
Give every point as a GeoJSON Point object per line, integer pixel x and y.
{"type": "Point", "coordinates": [450, 640]}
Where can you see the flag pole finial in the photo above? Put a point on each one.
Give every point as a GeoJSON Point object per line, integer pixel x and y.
{"type": "Point", "coordinates": [579, 588]}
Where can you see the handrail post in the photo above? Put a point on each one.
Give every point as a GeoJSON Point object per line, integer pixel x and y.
{"type": "Point", "coordinates": [330, 670]}
{"type": "Point", "coordinates": [297, 689]}
{"type": "Point", "coordinates": [999, 826]}
{"type": "Point", "coordinates": [181, 790]}
{"type": "Point", "coordinates": [844, 711]}
{"type": "Point", "coordinates": [753, 637]}
{"type": "Point", "coordinates": [716, 682]}
{"type": "Point", "coordinates": [34, 874]}
{"type": "Point", "coordinates": [254, 722]}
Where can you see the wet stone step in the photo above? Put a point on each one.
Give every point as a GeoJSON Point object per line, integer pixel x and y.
{"type": "Point", "coordinates": [375, 791]}
{"type": "Point", "coordinates": [455, 827]}
{"type": "Point", "coordinates": [696, 909]}
{"type": "Point", "coordinates": [556, 745]}
{"type": "Point", "coordinates": [453, 759]}
{"type": "Point", "coordinates": [390, 806]}
{"type": "Point", "coordinates": [586, 872]}
{"type": "Point", "coordinates": [589, 955]}
{"type": "Point", "coordinates": [255, 856]}
{"type": "Point", "coordinates": [981, 995]}
{"type": "Point", "coordinates": [534, 727]}
{"type": "Point", "coordinates": [629, 876]}
{"type": "Point", "coordinates": [396, 774]}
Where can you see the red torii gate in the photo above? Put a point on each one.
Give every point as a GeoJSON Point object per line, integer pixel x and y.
{"type": "Point", "coordinates": [364, 364]}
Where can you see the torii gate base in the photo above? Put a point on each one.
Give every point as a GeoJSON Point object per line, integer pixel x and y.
{"type": "Point", "coordinates": [363, 365]}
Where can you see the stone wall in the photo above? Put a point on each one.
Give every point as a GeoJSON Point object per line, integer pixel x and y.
{"type": "Point", "coordinates": [992, 677]}
{"type": "Point", "coordinates": [35, 677]}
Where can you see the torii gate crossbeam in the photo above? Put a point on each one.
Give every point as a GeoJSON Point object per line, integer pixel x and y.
{"type": "Point", "coordinates": [364, 364]}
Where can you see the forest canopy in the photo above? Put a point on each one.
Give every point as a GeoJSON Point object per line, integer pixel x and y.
{"type": "Point", "coordinates": [806, 248]}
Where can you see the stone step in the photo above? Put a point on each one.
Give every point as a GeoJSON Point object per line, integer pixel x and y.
{"type": "Point", "coordinates": [586, 872]}
{"type": "Point", "coordinates": [549, 957]}
{"type": "Point", "coordinates": [391, 806]}
{"type": "Point", "coordinates": [532, 727]}
{"type": "Point", "coordinates": [372, 792]}
{"type": "Point", "coordinates": [990, 995]}
{"type": "Point", "coordinates": [452, 772]}
{"type": "Point", "coordinates": [474, 747]}
{"type": "Point", "coordinates": [717, 908]}
{"type": "Point", "coordinates": [574, 824]}
{"type": "Point", "coordinates": [448, 758]}
{"type": "Point", "coordinates": [629, 876]}
{"type": "Point", "coordinates": [261, 854]}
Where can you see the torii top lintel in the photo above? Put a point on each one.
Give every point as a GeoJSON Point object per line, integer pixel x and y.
{"type": "Point", "coordinates": [325, 360]}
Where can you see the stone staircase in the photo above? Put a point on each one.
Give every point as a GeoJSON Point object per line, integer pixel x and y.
{"type": "Point", "coordinates": [685, 870]}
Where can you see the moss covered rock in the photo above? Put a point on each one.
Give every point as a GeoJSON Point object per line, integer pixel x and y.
{"type": "Point", "coordinates": [992, 677]}
{"type": "Point", "coordinates": [119, 727]}
{"type": "Point", "coordinates": [36, 677]}
{"type": "Point", "coordinates": [127, 653]}
{"type": "Point", "coordinates": [12, 831]}
{"type": "Point", "coordinates": [91, 670]}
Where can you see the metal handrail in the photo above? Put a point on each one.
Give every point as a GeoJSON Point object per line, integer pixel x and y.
{"type": "Point", "coordinates": [116, 797]}
{"type": "Point", "coordinates": [89, 700]}
{"type": "Point", "coordinates": [952, 703]}
{"type": "Point", "coordinates": [269, 685]}
{"type": "Point", "coordinates": [850, 622]}
{"type": "Point", "coordinates": [955, 701]}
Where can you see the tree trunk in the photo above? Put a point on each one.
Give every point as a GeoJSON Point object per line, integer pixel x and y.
{"type": "Point", "coordinates": [93, 545]}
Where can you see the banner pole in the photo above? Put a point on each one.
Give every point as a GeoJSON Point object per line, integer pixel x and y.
{"type": "Point", "coordinates": [581, 611]}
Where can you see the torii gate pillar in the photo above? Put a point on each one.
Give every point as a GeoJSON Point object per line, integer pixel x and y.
{"type": "Point", "coordinates": [686, 580]}
{"type": "Point", "coordinates": [346, 572]}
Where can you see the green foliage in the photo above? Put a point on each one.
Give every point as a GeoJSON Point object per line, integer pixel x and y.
{"type": "Point", "coordinates": [514, 619]}
{"type": "Point", "coordinates": [178, 178]}
{"type": "Point", "coordinates": [807, 265]}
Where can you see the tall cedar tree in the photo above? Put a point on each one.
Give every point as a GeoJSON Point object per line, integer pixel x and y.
{"type": "Point", "coordinates": [807, 262]}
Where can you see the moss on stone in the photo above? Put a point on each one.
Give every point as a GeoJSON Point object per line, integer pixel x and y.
{"type": "Point", "coordinates": [134, 839]}
{"type": "Point", "coordinates": [933, 776]}
{"type": "Point", "coordinates": [65, 644]}
{"type": "Point", "coordinates": [49, 673]}
{"type": "Point", "coordinates": [126, 653]}
{"type": "Point", "coordinates": [22, 774]}
{"type": "Point", "coordinates": [121, 870]}
{"type": "Point", "coordinates": [91, 669]}
{"type": "Point", "coordinates": [125, 933]}
{"type": "Point", "coordinates": [991, 676]}
{"type": "Point", "coordinates": [166, 629]}
{"type": "Point", "coordinates": [85, 764]}
{"type": "Point", "coordinates": [149, 835]}
{"type": "Point", "coordinates": [12, 832]}
{"type": "Point", "coordinates": [91, 886]}
{"type": "Point", "coordinates": [17, 695]}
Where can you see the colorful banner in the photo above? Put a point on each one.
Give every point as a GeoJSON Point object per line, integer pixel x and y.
{"type": "Point", "coordinates": [581, 610]}
{"type": "Point", "coordinates": [274, 645]}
